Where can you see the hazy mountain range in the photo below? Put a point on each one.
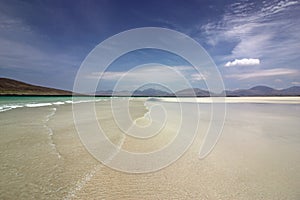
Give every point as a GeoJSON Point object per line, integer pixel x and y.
{"type": "Point", "coordinates": [13, 87]}
{"type": "Point", "coordinates": [254, 91]}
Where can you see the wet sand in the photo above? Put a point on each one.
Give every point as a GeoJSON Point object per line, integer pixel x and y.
{"type": "Point", "coordinates": [257, 157]}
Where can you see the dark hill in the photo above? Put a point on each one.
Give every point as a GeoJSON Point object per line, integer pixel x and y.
{"type": "Point", "coordinates": [13, 87]}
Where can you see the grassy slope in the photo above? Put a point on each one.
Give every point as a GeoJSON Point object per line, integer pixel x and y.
{"type": "Point", "coordinates": [13, 87]}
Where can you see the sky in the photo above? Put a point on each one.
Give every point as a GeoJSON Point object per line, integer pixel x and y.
{"type": "Point", "coordinates": [251, 42]}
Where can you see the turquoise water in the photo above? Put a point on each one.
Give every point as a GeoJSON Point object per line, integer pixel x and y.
{"type": "Point", "coordinates": [12, 102]}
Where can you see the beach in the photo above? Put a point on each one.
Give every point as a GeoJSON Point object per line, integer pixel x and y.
{"type": "Point", "coordinates": [256, 156]}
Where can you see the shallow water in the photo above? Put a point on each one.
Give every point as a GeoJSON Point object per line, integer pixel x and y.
{"type": "Point", "coordinates": [257, 156]}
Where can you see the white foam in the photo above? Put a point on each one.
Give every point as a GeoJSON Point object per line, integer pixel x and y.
{"type": "Point", "coordinates": [33, 105]}
{"type": "Point", "coordinates": [89, 175]}
{"type": "Point", "coordinates": [2, 109]}
{"type": "Point", "coordinates": [58, 103]}
{"type": "Point", "coordinates": [85, 101]}
{"type": "Point", "coordinates": [50, 132]}
{"type": "Point", "coordinates": [16, 106]}
{"type": "Point", "coordinates": [9, 107]}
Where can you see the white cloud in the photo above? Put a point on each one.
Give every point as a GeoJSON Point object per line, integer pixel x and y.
{"type": "Point", "coordinates": [264, 73]}
{"type": "Point", "coordinates": [198, 77]}
{"type": "Point", "coordinates": [296, 83]}
{"type": "Point", "coordinates": [243, 62]}
{"type": "Point", "coordinates": [278, 80]}
{"type": "Point", "coordinates": [183, 68]}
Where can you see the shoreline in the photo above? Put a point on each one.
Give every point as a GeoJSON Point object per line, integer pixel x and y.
{"type": "Point", "coordinates": [142, 96]}
{"type": "Point", "coordinates": [7, 104]}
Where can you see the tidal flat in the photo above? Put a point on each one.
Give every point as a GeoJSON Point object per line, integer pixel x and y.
{"type": "Point", "coordinates": [256, 156]}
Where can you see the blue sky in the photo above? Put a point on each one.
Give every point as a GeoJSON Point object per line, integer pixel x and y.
{"type": "Point", "coordinates": [251, 42]}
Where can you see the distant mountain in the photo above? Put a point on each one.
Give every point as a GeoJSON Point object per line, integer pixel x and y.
{"type": "Point", "coordinates": [193, 92]}
{"type": "Point", "coordinates": [104, 92]}
{"type": "Point", "coordinates": [291, 91]}
{"type": "Point", "coordinates": [254, 91]}
{"type": "Point", "coordinates": [151, 92]}
{"type": "Point", "coordinates": [265, 91]}
{"type": "Point", "coordinates": [190, 92]}
{"type": "Point", "coordinates": [13, 87]}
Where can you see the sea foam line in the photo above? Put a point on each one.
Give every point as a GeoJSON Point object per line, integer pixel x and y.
{"type": "Point", "coordinates": [88, 176]}
{"type": "Point", "coordinates": [9, 106]}
{"type": "Point", "coordinates": [50, 132]}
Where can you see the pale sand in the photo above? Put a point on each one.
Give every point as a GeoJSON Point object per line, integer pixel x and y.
{"type": "Point", "coordinates": [276, 100]}
{"type": "Point", "coordinates": [257, 157]}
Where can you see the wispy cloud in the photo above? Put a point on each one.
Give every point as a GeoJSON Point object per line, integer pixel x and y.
{"type": "Point", "coordinates": [296, 83]}
{"type": "Point", "coordinates": [265, 73]}
{"type": "Point", "coordinates": [258, 30]}
{"type": "Point", "coordinates": [145, 71]}
{"type": "Point", "coordinates": [280, 6]}
{"type": "Point", "coordinates": [176, 76]}
{"type": "Point", "coordinates": [243, 62]}
{"type": "Point", "coordinates": [264, 30]}
{"type": "Point", "coordinates": [198, 77]}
